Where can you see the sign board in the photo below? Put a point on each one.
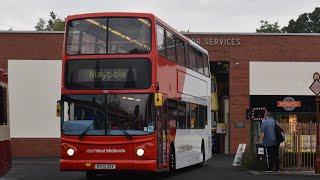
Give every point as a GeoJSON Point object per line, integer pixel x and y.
{"type": "Point", "coordinates": [315, 86]}
{"type": "Point", "coordinates": [289, 103]}
{"type": "Point", "coordinates": [239, 124]}
{"type": "Point", "coordinates": [238, 158]}
{"type": "Point", "coordinates": [221, 128]}
{"type": "Point", "coordinates": [258, 113]}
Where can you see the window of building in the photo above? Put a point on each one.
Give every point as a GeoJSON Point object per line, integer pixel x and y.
{"type": "Point", "coordinates": [170, 46]}
{"type": "Point", "coordinates": [181, 122]}
{"type": "Point", "coordinates": [3, 106]}
{"type": "Point", "coordinates": [160, 41]}
{"type": "Point", "coordinates": [180, 52]}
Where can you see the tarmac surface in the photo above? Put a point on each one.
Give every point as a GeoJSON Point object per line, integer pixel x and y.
{"type": "Point", "coordinates": [219, 167]}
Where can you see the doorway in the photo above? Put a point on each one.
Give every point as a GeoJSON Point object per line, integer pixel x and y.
{"type": "Point", "coordinates": [220, 106]}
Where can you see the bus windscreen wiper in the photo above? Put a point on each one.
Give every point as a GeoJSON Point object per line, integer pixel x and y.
{"type": "Point", "coordinates": [85, 131]}
{"type": "Point", "coordinates": [126, 133]}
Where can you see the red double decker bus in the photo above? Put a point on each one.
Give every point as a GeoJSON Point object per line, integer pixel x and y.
{"type": "Point", "coordinates": [135, 96]}
{"type": "Point", "coordinates": [5, 150]}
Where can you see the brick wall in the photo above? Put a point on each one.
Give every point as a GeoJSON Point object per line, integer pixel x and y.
{"type": "Point", "coordinates": [254, 47]}
{"type": "Point", "coordinates": [14, 45]}
{"type": "Point", "coordinates": [29, 46]}
{"type": "Point", "coordinates": [35, 147]}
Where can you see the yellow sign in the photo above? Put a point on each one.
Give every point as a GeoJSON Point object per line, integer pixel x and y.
{"type": "Point", "coordinates": [221, 128]}
{"type": "Point", "coordinates": [158, 99]}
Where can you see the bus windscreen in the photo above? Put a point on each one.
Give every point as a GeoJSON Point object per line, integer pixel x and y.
{"type": "Point", "coordinates": [108, 36]}
{"type": "Point", "coordinates": [108, 74]}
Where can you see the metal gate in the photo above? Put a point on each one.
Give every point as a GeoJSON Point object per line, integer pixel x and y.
{"type": "Point", "coordinates": [298, 152]}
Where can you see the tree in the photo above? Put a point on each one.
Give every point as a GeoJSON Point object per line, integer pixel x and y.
{"type": "Point", "coordinates": [53, 24]}
{"type": "Point", "coordinates": [41, 25]}
{"type": "Point", "coordinates": [266, 27]}
{"type": "Point", "coordinates": [305, 23]}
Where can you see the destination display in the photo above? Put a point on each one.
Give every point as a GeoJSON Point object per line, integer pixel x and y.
{"type": "Point", "coordinates": [87, 75]}
{"type": "Point", "coordinates": [108, 74]}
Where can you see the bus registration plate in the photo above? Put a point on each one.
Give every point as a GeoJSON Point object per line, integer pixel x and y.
{"type": "Point", "coordinates": [105, 166]}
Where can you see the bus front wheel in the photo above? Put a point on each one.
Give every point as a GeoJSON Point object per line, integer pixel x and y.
{"type": "Point", "coordinates": [172, 163]}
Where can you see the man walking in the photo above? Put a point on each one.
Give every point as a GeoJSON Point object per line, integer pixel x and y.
{"type": "Point", "coordinates": [268, 139]}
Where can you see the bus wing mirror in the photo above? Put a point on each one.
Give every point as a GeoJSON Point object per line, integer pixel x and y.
{"type": "Point", "coordinates": [158, 99]}
{"type": "Point", "coordinates": [58, 109]}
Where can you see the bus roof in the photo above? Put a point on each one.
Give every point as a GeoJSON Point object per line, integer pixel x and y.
{"type": "Point", "coordinates": [103, 14]}
{"type": "Point", "coordinates": [182, 36]}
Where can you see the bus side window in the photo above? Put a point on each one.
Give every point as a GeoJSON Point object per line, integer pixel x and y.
{"type": "Point", "coordinates": [202, 119]}
{"type": "Point", "coordinates": [170, 46]}
{"type": "Point", "coordinates": [186, 52]}
{"type": "Point", "coordinates": [206, 115]}
{"type": "Point", "coordinates": [181, 122]}
{"type": "Point", "coordinates": [160, 41]}
{"type": "Point", "coordinates": [188, 110]}
{"type": "Point", "coordinates": [194, 124]}
{"type": "Point", "coordinates": [199, 62]}
{"type": "Point", "coordinates": [172, 110]}
{"type": "Point", "coordinates": [192, 58]}
{"type": "Point", "coordinates": [206, 65]}
{"type": "Point", "coordinates": [181, 58]}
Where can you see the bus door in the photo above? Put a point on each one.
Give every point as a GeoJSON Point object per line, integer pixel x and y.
{"type": "Point", "coordinates": [161, 117]}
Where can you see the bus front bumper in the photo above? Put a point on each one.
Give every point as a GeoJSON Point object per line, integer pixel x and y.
{"type": "Point", "coordinates": [120, 165]}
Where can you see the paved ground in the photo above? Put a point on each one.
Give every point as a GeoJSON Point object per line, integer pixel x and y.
{"type": "Point", "coordinates": [219, 167]}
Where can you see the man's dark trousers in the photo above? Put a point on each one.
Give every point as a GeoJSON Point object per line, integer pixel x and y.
{"type": "Point", "coordinates": [273, 158]}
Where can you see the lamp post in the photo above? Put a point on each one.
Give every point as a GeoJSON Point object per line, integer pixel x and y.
{"type": "Point", "coordinates": [315, 88]}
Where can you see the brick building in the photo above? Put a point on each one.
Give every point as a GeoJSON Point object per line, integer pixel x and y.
{"type": "Point", "coordinates": [248, 67]}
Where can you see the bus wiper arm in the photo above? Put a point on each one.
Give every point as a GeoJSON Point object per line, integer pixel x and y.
{"type": "Point", "coordinates": [85, 131]}
{"type": "Point", "coordinates": [126, 133]}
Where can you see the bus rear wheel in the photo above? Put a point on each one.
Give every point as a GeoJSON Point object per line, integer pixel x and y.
{"type": "Point", "coordinates": [91, 175]}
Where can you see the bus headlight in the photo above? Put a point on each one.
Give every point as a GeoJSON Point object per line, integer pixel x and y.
{"type": "Point", "coordinates": [70, 152]}
{"type": "Point", "coordinates": [140, 152]}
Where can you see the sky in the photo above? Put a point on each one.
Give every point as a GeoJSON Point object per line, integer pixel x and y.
{"type": "Point", "coordinates": [192, 15]}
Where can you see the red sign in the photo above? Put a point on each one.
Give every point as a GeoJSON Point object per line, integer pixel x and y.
{"type": "Point", "coordinates": [289, 103]}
